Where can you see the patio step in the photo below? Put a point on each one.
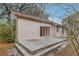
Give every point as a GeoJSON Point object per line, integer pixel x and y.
{"type": "Point", "coordinates": [16, 52]}
{"type": "Point", "coordinates": [41, 49]}
{"type": "Point", "coordinates": [22, 51]}
{"type": "Point", "coordinates": [49, 49]}
{"type": "Point", "coordinates": [41, 52]}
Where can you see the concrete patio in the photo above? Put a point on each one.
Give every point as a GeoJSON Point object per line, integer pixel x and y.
{"type": "Point", "coordinates": [33, 45]}
{"type": "Point", "coordinates": [41, 46]}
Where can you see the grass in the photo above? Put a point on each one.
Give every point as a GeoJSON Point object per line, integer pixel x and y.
{"type": "Point", "coordinates": [4, 46]}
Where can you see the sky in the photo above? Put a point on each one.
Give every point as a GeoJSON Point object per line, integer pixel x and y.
{"type": "Point", "coordinates": [59, 12]}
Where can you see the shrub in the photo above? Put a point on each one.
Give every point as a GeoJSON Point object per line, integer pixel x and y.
{"type": "Point", "coordinates": [7, 32]}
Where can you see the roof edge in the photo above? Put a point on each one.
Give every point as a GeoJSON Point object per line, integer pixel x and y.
{"type": "Point", "coordinates": [33, 18]}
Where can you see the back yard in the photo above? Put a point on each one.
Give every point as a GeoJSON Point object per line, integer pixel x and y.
{"type": "Point", "coordinates": [68, 17]}
{"type": "Point", "coordinates": [67, 51]}
{"type": "Point", "coordinates": [6, 48]}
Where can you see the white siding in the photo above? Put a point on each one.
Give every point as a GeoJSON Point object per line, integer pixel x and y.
{"type": "Point", "coordinates": [59, 33]}
{"type": "Point", "coordinates": [30, 29]}
{"type": "Point", "coordinates": [54, 31]}
{"type": "Point", "coordinates": [27, 29]}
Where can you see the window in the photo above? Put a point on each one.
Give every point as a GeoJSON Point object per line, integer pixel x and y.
{"type": "Point", "coordinates": [44, 31]}
{"type": "Point", "coordinates": [62, 30]}
{"type": "Point", "coordinates": [57, 28]}
{"type": "Point", "coordinates": [78, 30]}
{"type": "Point", "coordinates": [40, 31]}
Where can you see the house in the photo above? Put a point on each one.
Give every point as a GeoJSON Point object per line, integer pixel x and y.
{"type": "Point", "coordinates": [37, 36]}
{"type": "Point", "coordinates": [31, 27]}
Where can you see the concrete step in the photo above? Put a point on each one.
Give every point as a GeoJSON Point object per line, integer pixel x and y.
{"type": "Point", "coordinates": [49, 49]}
{"type": "Point", "coordinates": [63, 46]}
{"type": "Point", "coordinates": [16, 52]}
{"type": "Point", "coordinates": [39, 50]}
{"type": "Point", "coordinates": [22, 51]}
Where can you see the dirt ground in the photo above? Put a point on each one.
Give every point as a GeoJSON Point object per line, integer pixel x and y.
{"type": "Point", "coordinates": [4, 48]}
{"type": "Point", "coordinates": [67, 51]}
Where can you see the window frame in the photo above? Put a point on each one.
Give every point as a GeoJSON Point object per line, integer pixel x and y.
{"type": "Point", "coordinates": [44, 31]}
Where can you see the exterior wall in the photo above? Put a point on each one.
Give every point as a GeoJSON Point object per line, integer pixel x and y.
{"type": "Point", "coordinates": [65, 33]}
{"type": "Point", "coordinates": [53, 31]}
{"type": "Point", "coordinates": [30, 29]}
{"type": "Point", "coordinates": [59, 33]}
{"type": "Point", "coordinates": [27, 29]}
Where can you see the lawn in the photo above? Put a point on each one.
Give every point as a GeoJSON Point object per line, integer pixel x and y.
{"type": "Point", "coordinates": [5, 48]}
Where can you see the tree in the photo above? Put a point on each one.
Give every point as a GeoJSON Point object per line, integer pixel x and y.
{"type": "Point", "coordinates": [5, 10]}
{"type": "Point", "coordinates": [71, 21]}
{"type": "Point", "coordinates": [31, 9]}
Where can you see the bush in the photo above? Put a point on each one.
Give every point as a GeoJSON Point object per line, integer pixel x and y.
{"type": "Point", "coordinates": [7, 32]}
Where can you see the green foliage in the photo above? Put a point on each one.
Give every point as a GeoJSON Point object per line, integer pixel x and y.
{"type": "Point", "coordinates": [7, 32]}
{"type": "Point", "coordinates": [26, 8]}
{"type": "Point", "coordinates": [71, 23]}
